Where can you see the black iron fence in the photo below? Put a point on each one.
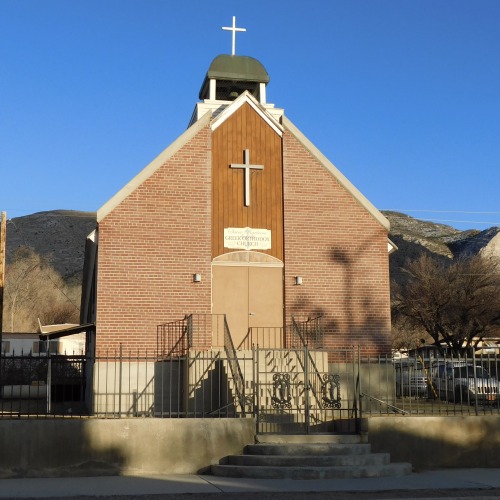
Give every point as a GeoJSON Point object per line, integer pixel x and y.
{"type": "Point", "coordinates": [292, 389]}
{"type": "Point", "coordinates": [299, 333]}
{"type": "Point", "coordinates": [176, 338]}
{"type": "Point", "coordinates": [42, 385]}
{"type": "Point", "coordinates": [431, 385]}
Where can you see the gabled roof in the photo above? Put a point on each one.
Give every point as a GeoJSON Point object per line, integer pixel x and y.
{"type": "Point", "coordinates": [341, 178]}
{"type": "Point", "coordinates": [150, 169]}
{"type": "Point", "coordinates": [247, 98]}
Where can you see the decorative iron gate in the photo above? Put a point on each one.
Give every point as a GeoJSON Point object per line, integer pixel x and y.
{"type": "Point", "coordinates": [302, 391]}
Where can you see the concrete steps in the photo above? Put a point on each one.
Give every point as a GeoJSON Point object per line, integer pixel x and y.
{"type": "Point", "coordinates": [309, 457]}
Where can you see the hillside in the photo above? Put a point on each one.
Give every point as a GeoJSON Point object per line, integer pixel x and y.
{"type": "Point", "coordinates": [59, 236]}
{"type": "Point", "coordinates": [413, 237]}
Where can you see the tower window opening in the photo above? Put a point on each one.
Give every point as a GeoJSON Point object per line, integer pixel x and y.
{"type": "Point", "coordinates": [230, 90]}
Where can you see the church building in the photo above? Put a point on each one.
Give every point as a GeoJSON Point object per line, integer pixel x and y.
{"type": "Point", "coordinates": [240, 216]}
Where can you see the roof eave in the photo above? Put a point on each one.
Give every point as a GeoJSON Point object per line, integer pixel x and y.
{"type": "Point", "coordinates": [248, 98]}
{"type": "Point", "coordinates": [152, 167]}
{"type": "Point", "coordinates": [341, 178]}
{"type": "Point", "coordinates": [66, 332]}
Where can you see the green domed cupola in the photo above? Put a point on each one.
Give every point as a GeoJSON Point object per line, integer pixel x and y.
{"type": "Point", "coordinates": [229, 76]}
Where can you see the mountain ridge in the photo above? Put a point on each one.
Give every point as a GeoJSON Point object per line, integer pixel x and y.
{"type": "Point", "coordinates": [414, 237]}
{"type": "Point", "coordinates": [59, 237]}
{"type": "Point", "coordinates": [56, 235]}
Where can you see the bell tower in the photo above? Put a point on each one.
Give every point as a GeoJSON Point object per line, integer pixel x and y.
{"type": "Point", "coordinates": [247, 193]}
{"type": "Point", "coordinates": [228, 77]}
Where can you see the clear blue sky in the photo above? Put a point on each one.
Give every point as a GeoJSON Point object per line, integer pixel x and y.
{"type": "Point", "coordinates": [402, 96]}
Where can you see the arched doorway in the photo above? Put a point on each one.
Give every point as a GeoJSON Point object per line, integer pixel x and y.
{"type": "Point", "coordinates": [248, 288]}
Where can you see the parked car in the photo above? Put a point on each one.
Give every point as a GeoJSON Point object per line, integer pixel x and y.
{"type": "Point", "coordinates": [462, 382]}
{"type": "Point", "coordinates": [411, 381]}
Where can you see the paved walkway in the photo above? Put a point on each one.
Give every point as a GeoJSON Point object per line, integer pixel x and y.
{"type": "Point", "coordinates": [450, 483]}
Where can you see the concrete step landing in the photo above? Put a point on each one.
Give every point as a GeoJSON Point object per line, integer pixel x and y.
{"type": "Point", "coordinates": [309, 457]}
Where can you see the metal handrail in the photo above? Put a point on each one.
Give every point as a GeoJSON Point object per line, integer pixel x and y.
{"type": "Point", "coordinates": [234, 366]}
{"type": "Point", "coordinates": [166, 342]}
{"type": "Point", "coordinates": [298, 326]}
{"type": "Point", "coordinates": [392, 407]}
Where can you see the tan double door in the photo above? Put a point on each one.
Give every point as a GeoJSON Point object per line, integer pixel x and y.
{"type": "Point", "coordinates": [249, 295]}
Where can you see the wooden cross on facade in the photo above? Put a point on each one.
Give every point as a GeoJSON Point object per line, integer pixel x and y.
{"type": "Point", "coordinates": [247, 166]}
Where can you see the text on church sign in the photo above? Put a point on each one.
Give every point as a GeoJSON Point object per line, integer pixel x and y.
{"type": "Point", "coordinates": [247, 238]}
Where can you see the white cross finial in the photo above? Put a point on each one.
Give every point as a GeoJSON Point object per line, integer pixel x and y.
{"type": "Point", "coordinates": [247, 166]}
{"type": "Point", "coordinates": [234, 29]}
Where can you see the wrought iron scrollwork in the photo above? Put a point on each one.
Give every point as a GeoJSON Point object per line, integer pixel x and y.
{"type": "Point", "coordinates": [330, 389]}
{"type": "Point", "coordinates": [281, 391]}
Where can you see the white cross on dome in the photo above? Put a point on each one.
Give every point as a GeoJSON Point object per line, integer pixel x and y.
{"type": "Point", "coordinates": [234, 29]}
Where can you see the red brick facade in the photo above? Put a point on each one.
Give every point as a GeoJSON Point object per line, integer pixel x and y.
{"type": "Point", "coordinates": [150, 246]}
{"type": "Point", "coordinates": [339, 250]}
{"type": "Point", "coordinates": [152, 241]}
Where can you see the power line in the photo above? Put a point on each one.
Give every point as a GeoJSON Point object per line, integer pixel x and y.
{"type": "Point", "coordinates": [439, 211]}
{"type": "Point", "coordinates": [404, 216]}
{"type": "Point", "coordinates": [491, 223]}
{"type": "Point", "coordinates": [451, 222]}
{"type": "Point", "coordinates": [86, 214]}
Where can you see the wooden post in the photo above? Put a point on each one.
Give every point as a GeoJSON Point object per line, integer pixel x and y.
{"type": "Point", "coordinates": [3, 233]}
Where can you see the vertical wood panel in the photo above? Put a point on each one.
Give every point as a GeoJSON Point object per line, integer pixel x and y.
{"type": "Point", "coordinates": [235, 153]}
{"type": "Point", "coordinates": [245, 129]}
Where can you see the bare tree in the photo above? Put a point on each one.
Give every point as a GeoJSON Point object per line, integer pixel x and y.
{"type": "Point", "coordinates": [60, 312]}
{"type": "Point", "coordinates": [456, 303]}
{"type": "Point", "coordinates": [33, 290]}
{"type": "Point", "coordinates": [406, 336]}
{"type": "Point", "coordinates": [19, 292]}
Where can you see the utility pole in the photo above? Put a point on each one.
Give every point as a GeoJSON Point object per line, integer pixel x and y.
{"type": "Point", "coordinates": [3, 233]}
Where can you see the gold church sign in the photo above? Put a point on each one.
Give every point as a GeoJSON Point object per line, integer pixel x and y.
{"type": "Point", "coordinates": [247, 238]}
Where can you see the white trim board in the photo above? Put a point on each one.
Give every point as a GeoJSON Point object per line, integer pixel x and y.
{"type": "Point", "coordinates": [248, 98]}
{"type": "Point", "coordinates": [152, 167]}
{"type": "Point", "coordinates": [335, 172]}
